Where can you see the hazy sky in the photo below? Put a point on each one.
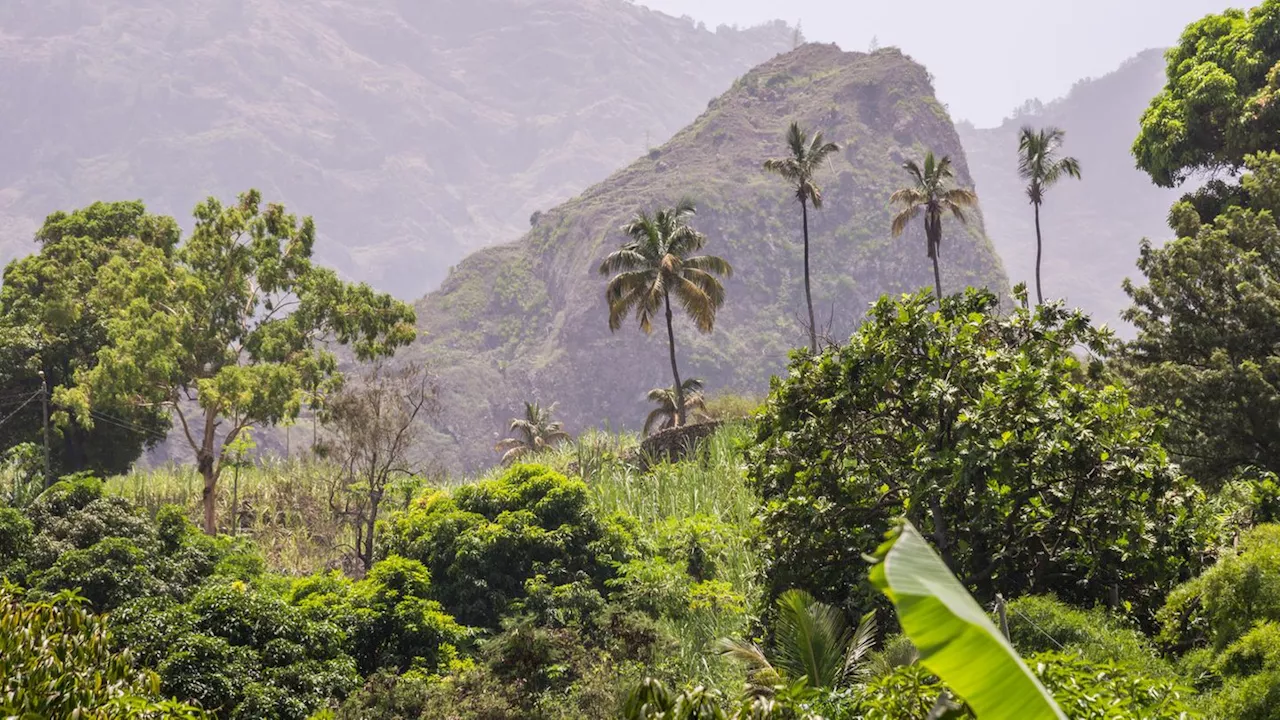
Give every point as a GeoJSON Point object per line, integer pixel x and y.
{"type": "Point", "coordinates": [987, 55]}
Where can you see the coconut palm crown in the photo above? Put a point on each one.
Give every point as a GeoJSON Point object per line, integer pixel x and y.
{"type": "Point", "coordinates": [934, 194]}
{"type": "Point", "coordinates": [798, 168]}
{"type": "Point", "coordinates": [532, 434]}
{"type": "Point", "coordinates": [1040, 165]}
{"type": "Point", "coordinates": [658, 263]}
{"type": "Point", "coordinates": [665, 416]}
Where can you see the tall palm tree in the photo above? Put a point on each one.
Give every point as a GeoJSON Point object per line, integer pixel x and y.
{"type": "Point", "coordinates": [934, 194]}
{"type": "Point", "coordinates": [534, 433]}
{"type": "Point", "coordinates": [798, 168]}
{"type": "Point", "coordinates": [656, 263]}
{"type": "Point", "coordinates": [811, 640]}
{"type": "Point", "coordinates": [665, 416]}
{"type": "Point", "coordinates": [1040, 166]}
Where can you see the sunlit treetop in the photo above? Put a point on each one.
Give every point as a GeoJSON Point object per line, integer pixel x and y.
{"type": "Point", "coordinates": [1221, 100]}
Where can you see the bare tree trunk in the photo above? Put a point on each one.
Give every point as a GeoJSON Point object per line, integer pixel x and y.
{"type": "Point", "coordinates": [675, 371]}
{"type": "Point", "coordinates": [808, 295]}
{"type": "Point", "coordinates": [375, 499]}
{"type": "Point", "coordinates": [1039, 295]}
{"type": "Point", "coordinates": [208, 496]}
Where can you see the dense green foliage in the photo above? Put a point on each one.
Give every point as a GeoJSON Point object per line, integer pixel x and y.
{"type": "Point", "coordinates": [1030, 471]}
{"type": "Point", "coordinates": [1220, 102]}
{"type": "Point", "coordinates": [1206, 349]}
{"type": "Point", "coordinates": [487, 543]}
{"type": "Point", "coordinates": [57, 659]}
{"type": "Point", "coordinates": [236, 320]}
{"type": "Point", "coordinates": [52, 323]}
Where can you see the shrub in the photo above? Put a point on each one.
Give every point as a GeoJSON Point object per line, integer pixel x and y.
{"type": "Point", "coordinates": [1030, 472]}
{"type": "Point", "coordinates": [1221, 605]}
{"type": "Point", "coordinates": [57, 660]}
{"type": "Point", "coordinates": [483, 542]}
{"type": "Point", "coordinates": [242, 652]}
{"type": "Point", "coordinates": [1043, 624]}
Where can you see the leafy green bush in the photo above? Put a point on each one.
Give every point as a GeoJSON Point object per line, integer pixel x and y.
{"type": "Point", "coordinates": [76, 538]}
{"type": "Point", "coordinates": [1040, 624]}
{"type": "Point", "coordinates": [1220, 606]}
{"type": "Point", "coordinates": [388, 617]}
{"type": "Point", "coordinates": [1028, 471]}
{"type": "Point", "coordinates": [241, 652]}
{"type": "Point", "coordinates": [57, 660]}
{"type": "Point", "coordinates": [484, 541]}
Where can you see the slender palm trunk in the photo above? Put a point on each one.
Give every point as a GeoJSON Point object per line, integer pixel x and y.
{"type": "Point", "coordinates": [933, 236]}
{"type": "Point", "coordinates": [1039, 295]}
{"type": "Point", "coordinates": [937, 277]}
{"type": "Point", "coordinates": [808, 295]}
{"type": "Point", "coordinates": [675, 371]}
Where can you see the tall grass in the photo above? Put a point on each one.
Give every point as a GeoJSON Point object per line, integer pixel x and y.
{"type": "Point", "coordinates": [282, 504]}
{"type": "Point", "coordinates": [711, 482]}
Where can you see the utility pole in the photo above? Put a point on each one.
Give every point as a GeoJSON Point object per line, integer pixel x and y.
{"type": "Point", "coordinates": [44, 404]}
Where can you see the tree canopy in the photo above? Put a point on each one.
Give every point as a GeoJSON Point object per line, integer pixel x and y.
{"type": "Point", "coordinates": [229, 329]}
{"type": "Point", "coordinates": [1029, 471]}
{"type": "Point", "coordinates": [1208, 320]}
{"type": "Point", "coordinates": [51, 321]}
{"type": "Point", "coordinates": [1221, 101]}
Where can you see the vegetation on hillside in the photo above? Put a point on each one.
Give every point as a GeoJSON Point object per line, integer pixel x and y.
{"type": "Point", "coordinates": [416, 133]}
{"type": "Point", "coordinates": [970, 509]}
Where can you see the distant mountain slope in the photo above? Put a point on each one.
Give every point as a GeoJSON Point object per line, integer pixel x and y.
{"type": "Point", "coordinates": [528, 320]}
{"type": "Point", "coordinates": [413, 130]}
{"type": "Point", "coordinates": [1091, 228]}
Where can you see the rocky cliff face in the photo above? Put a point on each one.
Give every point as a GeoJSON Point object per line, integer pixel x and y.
{"type": "Point", "coordinates": [528, 320]}
{"type": "Point", "coordinates": [1091, 227]}
{"type": "Point", "coordinates": [414, 131]}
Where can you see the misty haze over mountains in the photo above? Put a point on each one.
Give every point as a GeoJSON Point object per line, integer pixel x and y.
{"type": "Point", "coordinates": [417, 133]}
{"type": "Point", "coordinates": [414, 132]}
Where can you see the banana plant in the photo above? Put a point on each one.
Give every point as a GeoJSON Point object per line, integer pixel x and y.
{"type": "Point", "coordinates": [955, 638]}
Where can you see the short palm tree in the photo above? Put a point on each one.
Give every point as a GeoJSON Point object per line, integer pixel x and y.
{"type": "Point", "coordinates": [658, 263]}
{"type": "Point", "coordinates": [798, 169]}
{"type": "Point", "coordinates": [534, 433]}
{"type": "Point", "coordinates": [1040, 166]}
{"type": "Point", "coordinates": [811, 640]}
{"type": "Point", "coordinates": [665, 416]}
{"type": "Point", "coordinates": [934, 194]}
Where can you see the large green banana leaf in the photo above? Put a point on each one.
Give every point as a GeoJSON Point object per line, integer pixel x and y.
{"type": "Point", "coordinates": [955, 638]}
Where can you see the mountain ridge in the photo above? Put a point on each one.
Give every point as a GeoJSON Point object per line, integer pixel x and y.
{"type": "Point", "coordinates": [527, 320]}
{"type": "Point", "coordinates": [414, 132]}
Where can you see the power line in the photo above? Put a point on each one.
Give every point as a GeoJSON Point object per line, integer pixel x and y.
{"type": "Point", "coordinates": [29, 399]}
{"type": "Point", "coordinates": [126, 425]}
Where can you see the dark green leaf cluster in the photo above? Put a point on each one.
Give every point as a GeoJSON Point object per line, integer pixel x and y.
{"type": "Point", "coordinates": [240, 651]}
{"type": "Point", "coordinates": [73, 537]}
{"type": "Point", "coordinates": [58, 659]}
{"type": "Point", "coordinates": [1030, 472]}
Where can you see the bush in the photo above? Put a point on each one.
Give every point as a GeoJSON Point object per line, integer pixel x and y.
{"type": "Point", "coordinates": [1039, 624]}
{"type": "Point", "coordinates": [484, 541]}
{"type": "Point", "coordinates": [389, 620]}
{"type": "Point", "coordinates": [1220, 606]}
{"type": "Point", "coordinates": [57, 660]}
{"type": "Point", "coordinates": [240, 651]}
{"type": "Point", "coordinates": [1030, 472]}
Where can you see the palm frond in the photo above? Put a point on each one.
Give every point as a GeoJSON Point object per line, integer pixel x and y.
{"type": "Point", "coordinates": [860, 647]}
{"type": "Point", "coordinates": [697, 304]}
{"type": "Point", "coordinates": [904, 218]}
{"type": "Point", "coordinates": [709, 263]}
{"type": "Point", "coordinates": [811, 638]}
{"type": "Point", "coordinates": [659, 419]}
